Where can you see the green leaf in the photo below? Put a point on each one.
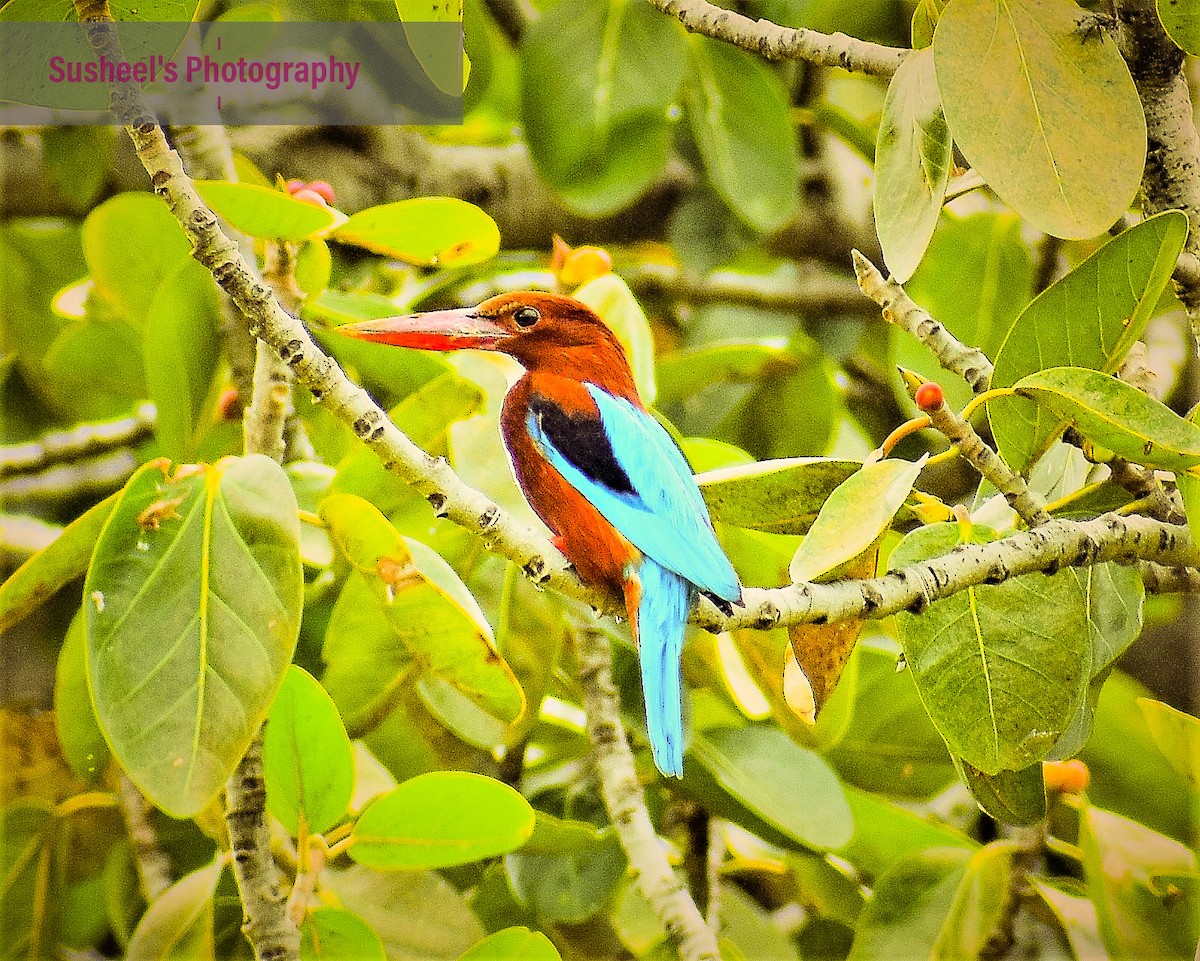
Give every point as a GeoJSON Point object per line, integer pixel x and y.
{"type": "Point", "coordinates": [434, 821]}
{"type": "Point", "coordinates": [430, 231]}
{"type": "Point", "coordinates": [95, 368]}
{"type": "Point", "coordinates": [60, 562]}
{"type": "Point", "coordinates": [417, 914]}
{"type": "Point", "coordinates": [1189, 490]}
{"type": "Point", "coordinates": [984, 896]}
{"type": "Point", "coordinates": [597, 79]}
{"type": "Point", "coordinates": [1011, 797]}
{"type": "Point", "coordinates": [854, 516]}
{"type": "Point", "coordinates": [791, 789]}
{"type": "Point", "coordinates": [266, 212]}
{"type": "Point", "coordinates": [738, 112]}
{"type": "Point", "coordinates": [683, 374]}
{"type": "Point", "coordinates": [553, 835]}
{"type": "Point", "coordinates": [1116, 415]}
{"type": "Point", "coordinates": [890, 746]}
{"type": "Point", "coordinates": [924, 21]}
{"type": "Point", "coordinates": [780, 496]}
{"type": "Point", "coordinates": [78, 161]}
{"type": "Point", "coordinates": [1177, 736]}
{"type": "Point", "coordinates": [1089, 318]}
{"type": "Point", "coordinates": [182, 350]}
{"type": "Point", "coordinates": [314, 265]}
{"type": "Point", "coordinates": [749, 930]}
{"type": "Point", "coordinates": [179, 923]}
{"type": "Point", "coordinates": [432, 616]}
{"type": "Point", "coordinates": [912, 165]}
{"type": "Point", "coordinates": [1077, 918]}
{"type": "Point", "coordinates": [1066, 145]}
{"type": "Point", "coordinates": [1000, 688]}
{"type": "Point", "coordinates": [132, 243]}
{"type": "Point", "coordinates": [30, 881]}
{"type": "Point", "coordinates": [571, 887]}
{"type": "Point", "coordinates": [886, 833]}
{"type": "Point", "coordinates": [333, 934]}
{"type": "Point", "coordinates": [193, 603]}
{"type": "Point", "coordinates": [610, 297]}
{"type": "Point", "coordinates": [1181, 20]}
{"type": "Point", "coordinates": [82, 741]}
{"type": "Point", "coordinates": [307, 761]}
{"type": "Point", "coordinates": [513, 944]}
{"type": "Point", "coordinates": [447, 73]}
{"type": "Point", "coordinates": [1138, 917]}
{"type": "Point", "coordinates": [908, 908]}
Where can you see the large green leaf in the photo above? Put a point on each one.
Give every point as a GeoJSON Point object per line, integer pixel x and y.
{"type": "Point", "coordinates": [1089, 318]}
{"type": "Point", "coordinates": [95, 367]}
{"type": "Point", "coordinates": [1177, 736]}
{"type": "Point", "coordinates": [441, 819]}
{"type": "Point", "coordinates": [738, 111]}
{"type": "Point", "coordinates": [132, 243]}
{"type": "Point", "coordinates": [1127, 866]}
{"type": "Point", "coordinates": [1065, 141]}
{"type": "Point", "coordinates": [179, 923]}
{"type": "Point", "coordinates": [182, 353]}
{"type": "Point", "coordinates": [333, 934]}
{"type": "Point", "coordinates": [909, 905]}
{"type": "Point", "coordinates": [1115, 415]}
{"type": "Point", "coordinates": [912, 165]}
{"type": "Point", "coordinates": [980, 906]}
{"type": "Point", "coordinates": [82, 741]}
{"type": "Point", "coordinates": [854, 516]}
{"type": "Point", "coordinates": [60, 562]}
{"type": "Point", "coordinates": [999, 686]}
{"type": "Point", "coordinates": [571, 886]}
{"type": "Point", "coordinates": [792, 790]}
{"type": "Point", "coordinates": [1011, 797]}
{"type": "Point", "coordinates": [266, 212]}
{"type": "Point", "coordinates": [433, 619]}
{"type": "Point", "coordinates": [31, 876]}
{"type": "Point", "coordinates": [307, 761]}
{"type": "Point", "coordinates": [1181, 20]}
{"type": "Point", "coordinates": [512, 944]}
{"type": "Point", "coordinates": [597, 79]}
{"type": "Point", "coordinates": [193, 603]}
{"type": "Point", "coordinates": [781, 496]}
{"type": "Point", "coordinates": [430, 231]}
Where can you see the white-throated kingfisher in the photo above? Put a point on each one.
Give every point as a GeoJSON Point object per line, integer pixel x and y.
{"type": "Point", "coordinates": [601, 473]}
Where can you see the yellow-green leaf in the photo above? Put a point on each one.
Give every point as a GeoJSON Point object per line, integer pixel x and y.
{"type": "Point", "coordinates": [429, 231]}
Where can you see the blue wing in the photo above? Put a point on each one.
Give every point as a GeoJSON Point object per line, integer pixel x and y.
{"type": "Point", "coordinates": [662, 619]}
{"type": "Point", "coordinates": [659, 510]}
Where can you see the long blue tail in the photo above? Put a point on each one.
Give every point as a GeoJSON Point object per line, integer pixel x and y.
{"type": "Point", "coordinates": [662, 618]}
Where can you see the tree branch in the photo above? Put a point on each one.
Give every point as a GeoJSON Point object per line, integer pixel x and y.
{"type": "Point", "coordinates": [774, 42]}
{"type": "Point", "coordinates": [78, 442]}
{"type": "Point", "coordinates": [1171, 179]}
{"type": "Point", "coordinates": [626, 803]}
{"type": "Point", "coordinates": [95, 475]}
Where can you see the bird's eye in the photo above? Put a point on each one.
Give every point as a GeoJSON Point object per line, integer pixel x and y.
{"type": "Point", "coordinates": [526, 316]}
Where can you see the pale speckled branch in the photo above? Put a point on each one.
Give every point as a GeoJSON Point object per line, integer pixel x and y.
{"type": "Point", "coordinates": [151, 863]}
{"type": "Point", "coordinates": [626, 803]}
{"type": "Point", "coordinates": [1046, 548]}
{"type": "Point", "coordinates": [970, 363]}
{"type": "Point", "coordinates": [1171, 179]}
{"type": "Point", "coordinates": [774, 42]}
{"type": "Point", "coordinates": [79, 478]}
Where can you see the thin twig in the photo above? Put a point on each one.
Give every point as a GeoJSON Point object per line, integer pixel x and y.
{"type": "Point", "coordinates": [774, 42]}
{"type": "Point", "coordinates": [626, 803]}
{"type": "Point", "coordinates": [151, 863]}
{"type": "Point", "coordinates": [93, 475]}
{"type": "Point", "coordinates": [83, 440]}
{"type": "Point", "coordinates": [970, 363]}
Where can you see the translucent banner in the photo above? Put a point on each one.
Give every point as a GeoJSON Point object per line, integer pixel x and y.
{"type": "Point", "coordinates": [336, 74]}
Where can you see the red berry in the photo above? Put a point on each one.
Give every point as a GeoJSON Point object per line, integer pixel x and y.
{"type": "Point", "coordinates": [229, 405]}
{"type": "Point", "coordinates": [929, 396]}
{"type": "Point", "coordinates": [294, 185]}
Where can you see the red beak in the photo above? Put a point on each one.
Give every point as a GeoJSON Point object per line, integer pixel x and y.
{"type": "Point", "coordinates": [437, 330]}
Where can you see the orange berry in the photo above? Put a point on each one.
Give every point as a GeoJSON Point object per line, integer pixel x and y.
{"type": "Point", "coordinates": [929, 396]}
{"type": "Point", "coordinates": [583, 264]}
{"type": "Point", "coordinates": [1066, 777]}
{"type": "Point", "coordinates": [229, 404]}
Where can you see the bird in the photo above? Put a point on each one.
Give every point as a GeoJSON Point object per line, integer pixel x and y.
{"type": "Point", "coordinates": [602, 473]}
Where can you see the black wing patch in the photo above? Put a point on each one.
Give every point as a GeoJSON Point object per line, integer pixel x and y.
{"type": "Point", "coordinates": [580, 438]}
